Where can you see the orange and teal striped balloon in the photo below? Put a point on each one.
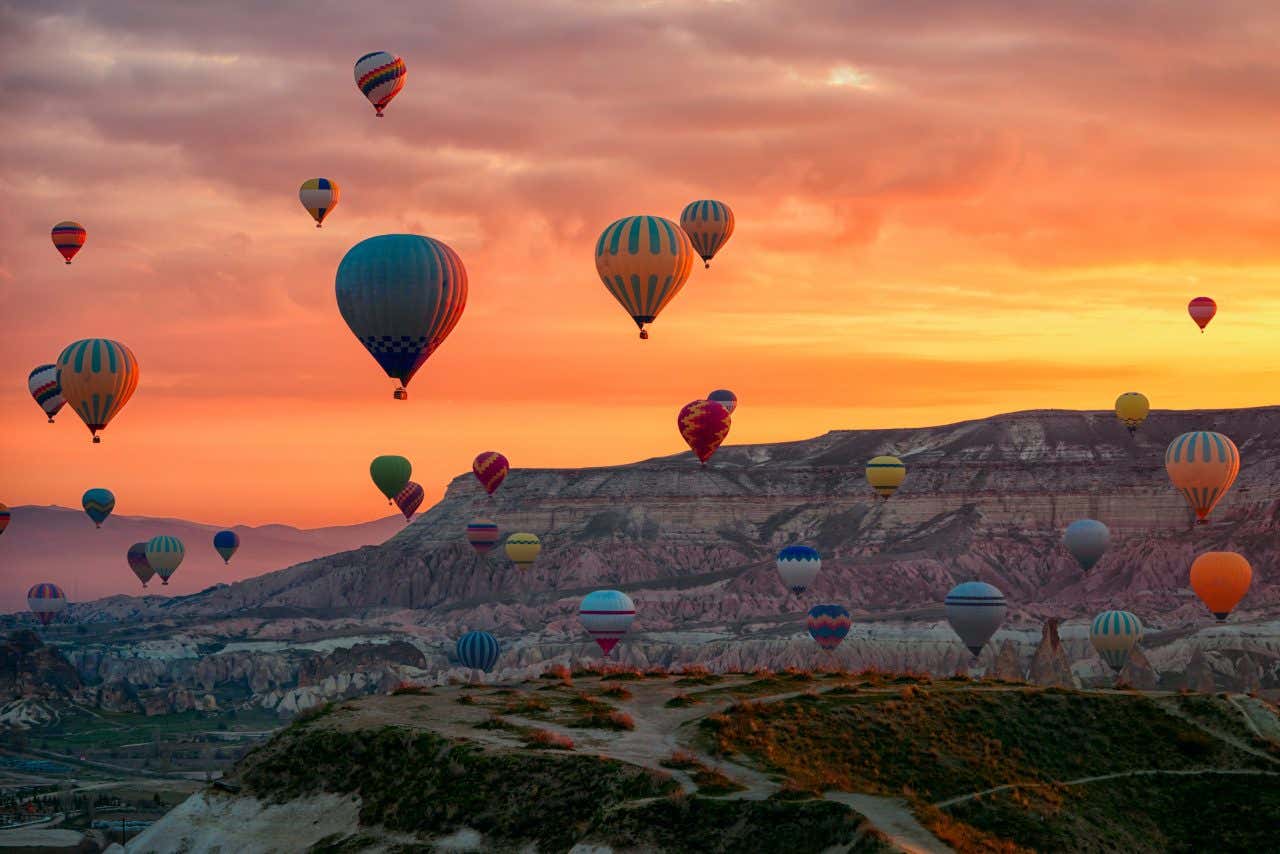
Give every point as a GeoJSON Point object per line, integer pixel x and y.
{"type": "Point", "coordinates": [98, 376]}
{"type": "Point", "coordinates": [644, 261]}
{"type": "Point", "coordinates": [1202, 465]}
{"type": "Point", "coordinates": [319, 196]}
{"type": "Point", "coordinates": [68, 236]}
{"type": "Point", "coordinates": [709, 225]}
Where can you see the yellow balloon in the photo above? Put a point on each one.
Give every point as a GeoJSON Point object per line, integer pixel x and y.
{"type": "Point", "coordinates": [885, 474]}
{"type": "Point", "coordinates": [98, 377]}
{"type": "Point", "coordinates": [1132, 408]}
{"type": "Point", "coordinates": [523, 549]}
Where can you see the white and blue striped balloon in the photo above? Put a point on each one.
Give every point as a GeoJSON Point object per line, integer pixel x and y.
{"type": "Point", "coordinates": [798, 566]}
{"type": "Point", "coordinates": [975, 610]}
{"type": "Point", "coordinates": [478, 650]}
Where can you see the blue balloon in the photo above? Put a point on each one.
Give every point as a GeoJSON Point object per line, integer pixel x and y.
{"type": "Point", "coordinates": [401, 294]}
{"type": "Point", "coordinates": [478, 650]}
{"type": "Point", "coordinates": [226, 543]}
{"type": "Point", "coordinates": [98, 504]}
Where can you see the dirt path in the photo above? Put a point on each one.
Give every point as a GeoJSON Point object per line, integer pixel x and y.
{"type": "Point", "coordinates": [893, 818]}
{"type": "Point", "coordinates": [1144, 772]}
{"type": "Point", "coordinates": [1225, 738]}
{"type": "Point", "coordinates": [1258, 715]}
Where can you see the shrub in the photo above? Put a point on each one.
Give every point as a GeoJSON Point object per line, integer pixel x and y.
{"type": "Point", "coordinates": [541, 739]}
{"type": "Point", "coordinates": [617, 692]}
{"type": "Point", "coordinates": [526, 704]}
{"type": "Point", "coordinates": [681, 701]}
{"type": "Point", "coordinates": [681, 759]}
{"type": "Point", "coordinates": [410, 688]}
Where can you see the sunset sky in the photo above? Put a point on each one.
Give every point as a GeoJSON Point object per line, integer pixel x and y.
{"type": "Point", "coordinates": [944, 210]}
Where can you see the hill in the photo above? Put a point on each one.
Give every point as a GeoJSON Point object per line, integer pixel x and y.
{"type": "Point", "coordinates": [773, 762]}
{"type": "Point", "coordinates": [61, 545]}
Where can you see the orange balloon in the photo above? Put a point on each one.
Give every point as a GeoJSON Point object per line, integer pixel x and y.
{"type": "Point", "coordinates": [1221, 579]}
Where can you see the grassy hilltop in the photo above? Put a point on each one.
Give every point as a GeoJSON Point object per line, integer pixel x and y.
{"type": "Point", "coordinates": [779, 762]}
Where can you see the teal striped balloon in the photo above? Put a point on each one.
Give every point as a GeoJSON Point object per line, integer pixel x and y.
{"type": "Point", "coordinates": [164, 554]}
{"type": "Point", "coordinates": [1114, 634]}
{"type": "Point", "coordinates": [98, 504]}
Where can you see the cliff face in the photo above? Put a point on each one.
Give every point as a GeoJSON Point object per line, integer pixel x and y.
{"type": "Point", "coordinates": [983, 499]}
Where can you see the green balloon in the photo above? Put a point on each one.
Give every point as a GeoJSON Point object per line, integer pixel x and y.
{"type": "Point", "coordinates": [390, 474]}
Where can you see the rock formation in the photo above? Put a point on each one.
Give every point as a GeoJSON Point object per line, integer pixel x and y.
{"type": "Point", "coordinates": [1138, 672]}
{"type": "Point", "coordinates": [1199, 676]}
{"type": "Point", "coordinates": [1049, 665]}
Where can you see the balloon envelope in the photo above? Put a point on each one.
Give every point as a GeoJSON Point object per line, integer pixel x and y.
{"type": "Point", "coordinates": [137, 558]}
{"type": "Point", "coordinates": [523, 549]}
{"type": "Point", "coordinates": [1221, 579]}
{"type": "Point", "coordinates": [885, 474]}
{"type": "Point", "coordinates": [1202, 310]}
{"type": "Point", "coordinates": [1087, 540]}
{"type": "Point", "coordinates": [98, 376]}
{"type": "Point", "coordinates": [409, 499]}
{"type": "Point", "coordinates": [46, 601]}
{"type": "Point", "coordinates": [165, 554]}
{"type": "Point", "coordinates": [478, 650]}
{"type": "Point", "coordinates": [828, 625]}
{"type": "Point", "coordinates": [319, 196]}
{"type": "Point", "coordinates": [644, 262]}
{"type": "Point", "coordinates": [483, 535]}
{"type": "Point", "coordinates": [1132, 408]}
{"type": "Point", "coordinates": [491, 469]}
{"type": "Point", "coordinates": [5, 516]}
{"type": "Point", "coordinates": [380, 77]}
{"type": "Point", "coordinates": [704, 424]}
{"type": "Point", "coordinates": [975, 610]}
{"type": "Point", "coordinates": [46, 390]}
{"type": "Point", "coordinates": [1202, 465]}
{"type": "Point", "coordinates": [225, 544]}
{"type": "Point", "coordinates": [607, 615]}
{"type": "Point", "coordinates": [390, 474]}
{"type": "Point", "coordinates": [725, 398]}
{"type": "Point", "coordinates": [798, 566]}
{"type": "Point", "coordinates": [709, 225]}
{"type": "Point", "coordinates": [1114, 634]}
{"type": "Point", "coordinates": [68, 236]}
{"type": "Point", "coordinates": [401, 295]}
{"type": "Point", "coordinates": [98, 504]}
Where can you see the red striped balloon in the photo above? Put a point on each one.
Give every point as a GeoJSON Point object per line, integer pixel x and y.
{"type": "Point", "coordinates": [409, 499]}
{"type": "Point", "coordinates": [491, 469]}
{"type": "Point", "coordinates": [1202, 310]}
{"type": "Point", "coordinates": [68, 237]}
{"type": "Point", "coordinates": [483, 535]}
{"type": "Point", "coordinates": [704, 424]}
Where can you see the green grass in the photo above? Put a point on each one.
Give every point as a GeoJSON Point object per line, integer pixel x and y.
{"type": "Point", "coordinates": [941, 743]}
{"type": "Point", "coordinates": [419, 782]}
{"type": "Point", "coordinates": [109, 730]}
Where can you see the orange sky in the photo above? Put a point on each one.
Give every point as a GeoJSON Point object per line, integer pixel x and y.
{"type": "Point", "coordinates": [941, 214]}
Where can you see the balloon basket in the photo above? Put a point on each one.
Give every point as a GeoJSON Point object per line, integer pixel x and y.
{"type": "Point", "coordinates": [644, 335]}
{"type": "Point", "coordinates": [400, 394]}
{"type": "Point", "coordinates": [97, 440]}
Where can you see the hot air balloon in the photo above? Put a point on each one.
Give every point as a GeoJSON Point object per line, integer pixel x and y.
{"type": "Point", "coordinates": [390, 473]}
{"type": "Point", "coordinates": [482, 534]}
{"type": "Point", "coordinates": [401, 294]}
{"type": "Point", "coordinates": [975, 610]}
{"type": "Point", "coordinates": [523, 549]}
{"type": "Point", "coordinates": [98, 504]}
{"type": "Point", "coordinates": [1113, 634]}
{"type": "Point", "coordinates": [478, 650]}
{"type": "Point", "coordinates": [828, 625]}
{"type": "Point", "coordinates": [1202, 310]}
{"type": "Point", "coordinates": [606, 615]}
{"type": "Point", "coordinates": [45, 388]}
{"type": "Point", "coordinates": [491, 469]}
{"type": "Point", "coordinates": [798, 566]}
{"type": "Point", "coordinates": [1132, 408]}
{"type": "Point", "coordinates": [886, 474]}
{"type": "Point", "coordinates": [1221, 579]}
{"type": "Point", "coordinates": [98, 376]}
{"type": "Point", "coordinates": [1087, 540]}
{"type": "Point", "coordinates": [137, 557]}
{"type": "Point", "coordinates": [46, 601]}
{"type": "Point", "coordinates": [225, 544]}
{"type": "Point", "coordinates": [644, 262]}
{"type": "Point", "coordinates": [319, 196]}
{"type": "Point", "coordinates": [725, 398]}
{"type": "Point", "coordinates": [704, 424]}
{"type": "Point", "coordinates": [5, 516]}
{"type": "Point", "coordinates": [1202, 465]}
{"type": "Point", "coordinates": [164, 554]}
{"type": "Point", "coordinates": [709, 225]}
{"type": "Point", "coordinates": [68, 237]}
{"type": "Point", "coordinates": [380, 76]}
{"type": "Point", "coordinates": [409, 499]}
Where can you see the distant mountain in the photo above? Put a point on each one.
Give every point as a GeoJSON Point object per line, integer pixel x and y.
{"type": "Point", "coordinates": [983, 499]}
{"type": "Point", "coordinates": [61, 545]}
